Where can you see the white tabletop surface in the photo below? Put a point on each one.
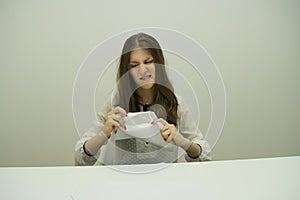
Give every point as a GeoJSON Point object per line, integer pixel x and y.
{"type": "Point", "coordinates": [270, 178]}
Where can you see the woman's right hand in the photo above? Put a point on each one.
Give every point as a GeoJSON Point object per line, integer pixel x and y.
{"type": "Point", "coordinates": [114, 121]}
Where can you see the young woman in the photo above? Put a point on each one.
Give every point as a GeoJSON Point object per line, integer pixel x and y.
{"type": "Point", "coordinates": [143, 85]}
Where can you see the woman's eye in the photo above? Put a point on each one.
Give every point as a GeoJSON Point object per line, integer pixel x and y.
{"type": "Point", "coordinates": [149, 62]}
{"type": "Point", "coordinates": [133, 65]}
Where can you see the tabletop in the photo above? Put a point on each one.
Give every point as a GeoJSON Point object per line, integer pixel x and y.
{"type": "Point", "coordinates": [267, 178]}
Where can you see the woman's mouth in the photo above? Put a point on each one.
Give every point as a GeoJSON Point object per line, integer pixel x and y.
{"type": "Point", "coordinates": [145, 78]}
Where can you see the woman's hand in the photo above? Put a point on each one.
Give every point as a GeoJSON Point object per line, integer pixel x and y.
{"type": "Point", "coordinates": [170, 133]}
{"type": "Point", "coordinates": [114, 121]}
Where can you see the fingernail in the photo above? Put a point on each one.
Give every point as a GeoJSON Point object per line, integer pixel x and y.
{"type": "Point", "coordinates": [125, 127]}
{"type": "Point", "coordinates": [152, 122]}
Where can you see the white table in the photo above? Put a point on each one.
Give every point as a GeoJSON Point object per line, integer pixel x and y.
{"type": "Point", "coordinates": [270, 178]}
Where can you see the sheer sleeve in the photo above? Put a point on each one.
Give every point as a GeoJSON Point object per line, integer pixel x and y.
{"type": "Point", "coordinates": [189, 129]}
{"type": "Point", "coordinates": [81, 158]}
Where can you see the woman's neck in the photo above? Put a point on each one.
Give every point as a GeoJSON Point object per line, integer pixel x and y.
{"type": "Point", "coordinates": [145, 96]}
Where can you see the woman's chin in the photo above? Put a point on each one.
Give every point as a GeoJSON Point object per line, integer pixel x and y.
{"type": "Point", "coordinates": [147, 86]}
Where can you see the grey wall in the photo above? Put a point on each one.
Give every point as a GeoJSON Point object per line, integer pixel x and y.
{"type": "Point", "coordinates": [255, 44]}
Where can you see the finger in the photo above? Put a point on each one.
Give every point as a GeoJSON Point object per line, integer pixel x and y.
{"type": "Point", "coordinates": [120, 120]}
{"type": "Point", "coordinates": [114, 125]}
{"type": "Point", "coordinates": [159, 120]}
{"type": "Point", "coordinates": [170, 137]}
{"type": "Point", "coordinates": [166, 134]}
{"type": "Point", "coordinates": [116, 118]}
{"type": "Point", "coordinates": [115, 129]}
{"type": "Point", "coordinates": [166, 127]}
{"type": "Point", "coordinates": [119, 110]}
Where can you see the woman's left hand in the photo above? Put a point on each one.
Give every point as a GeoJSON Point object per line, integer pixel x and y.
{"type": "Point", "coordinates": [170, 134]}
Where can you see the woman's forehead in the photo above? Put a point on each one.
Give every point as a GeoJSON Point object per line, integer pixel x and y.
{"type": "Point", "coordinates": [138, 54]}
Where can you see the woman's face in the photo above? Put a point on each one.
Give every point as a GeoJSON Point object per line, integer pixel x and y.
{"type": "Point", "coordinates": [142, 68]}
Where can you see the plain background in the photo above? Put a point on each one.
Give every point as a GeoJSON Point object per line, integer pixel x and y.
{"type": "Point", "coordinates": [255, 45]}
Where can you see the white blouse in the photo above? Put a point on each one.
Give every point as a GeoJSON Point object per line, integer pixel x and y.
{"type": "Point", "coordinates": [185, 125]}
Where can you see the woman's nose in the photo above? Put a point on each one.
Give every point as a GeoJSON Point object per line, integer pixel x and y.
{"type": "Point", "coordinates": [143, 68]}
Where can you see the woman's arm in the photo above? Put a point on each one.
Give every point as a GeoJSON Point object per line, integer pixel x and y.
{"type": "Point", "coordinates": [81, 156]}
{"type": "Point", "coordinates": [113, 121]}
{"type": "Point", "coordinates": [194, 151]}
{"type": "Point", "coordinates": [199, 149]}
{"type": "Point", "coordinates": [97, 136]}
{"type": "Point", "coordinates": [92, 146]}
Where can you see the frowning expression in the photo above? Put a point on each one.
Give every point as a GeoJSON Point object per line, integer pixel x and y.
{"type": "Point", "coordinates": [142, 68]}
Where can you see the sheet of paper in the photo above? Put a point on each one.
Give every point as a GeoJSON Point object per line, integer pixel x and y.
{"type": "Point", "coordinates": [139, 126]}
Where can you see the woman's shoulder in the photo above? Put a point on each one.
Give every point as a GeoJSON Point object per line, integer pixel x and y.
{"type": "Point", "coordinates": [183, 105]}
{"type": "Point", "coordinates": [179, 98]}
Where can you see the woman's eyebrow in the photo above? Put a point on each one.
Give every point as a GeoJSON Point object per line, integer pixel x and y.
{"type": "Point", "coordinates": [149, 58]}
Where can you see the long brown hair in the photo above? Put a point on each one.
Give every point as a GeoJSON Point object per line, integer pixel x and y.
{"type": "Point", "coordinates": [163, 91]}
